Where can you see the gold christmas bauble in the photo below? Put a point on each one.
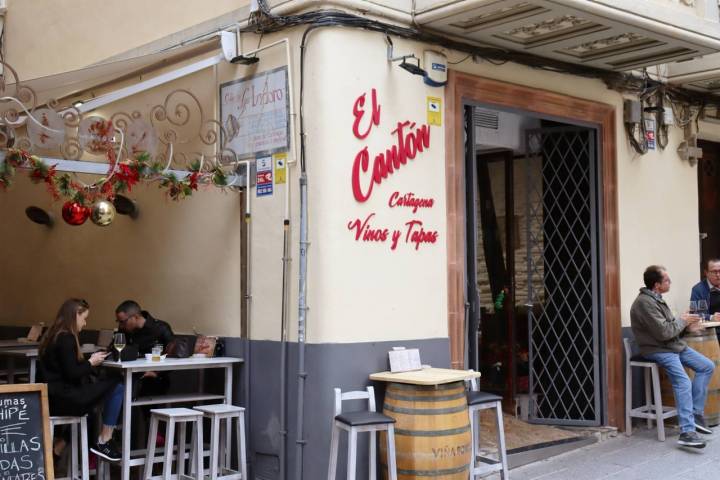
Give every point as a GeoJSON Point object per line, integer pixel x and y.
{"type": "Point", "coordinates": [103, 213]}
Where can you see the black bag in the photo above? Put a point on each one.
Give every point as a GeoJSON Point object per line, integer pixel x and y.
{"type": "Point", "coordinates": [127, 354]}
{"type": "Point", "coordinates": [181, 347]}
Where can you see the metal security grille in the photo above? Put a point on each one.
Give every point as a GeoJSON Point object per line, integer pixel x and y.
{"type": "Point", "coordinates": [562, 277]}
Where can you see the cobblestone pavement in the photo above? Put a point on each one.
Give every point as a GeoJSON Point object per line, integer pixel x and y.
{"type": "Point", "coordinates": [640, 456]}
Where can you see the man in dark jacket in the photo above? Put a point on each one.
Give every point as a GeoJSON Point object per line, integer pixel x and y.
{"type": "Point", "coordinates": [708, 289]}
{"type": "Point", "coordinates": [143, 331]}
{"type": "Point", "coordinates": [657, 333]}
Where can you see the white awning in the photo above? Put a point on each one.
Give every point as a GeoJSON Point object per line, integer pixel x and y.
{"type": "Point", "coordinates": [70, 85]}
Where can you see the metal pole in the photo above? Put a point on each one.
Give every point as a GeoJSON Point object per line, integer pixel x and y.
{"type": "Point", "coordinates": [302, 311]}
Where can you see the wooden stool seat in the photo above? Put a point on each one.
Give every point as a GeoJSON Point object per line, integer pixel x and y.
{"type": "Point", "coordinates": [76, 471]}
{"type": "Point", "coordinates": [220, 457]}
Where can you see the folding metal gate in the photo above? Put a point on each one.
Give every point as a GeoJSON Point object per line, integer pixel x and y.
{"type": "Point", "coordinates": [562, 276]}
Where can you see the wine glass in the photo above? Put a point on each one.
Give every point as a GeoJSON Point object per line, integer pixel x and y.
{"type": "Point", "coordinates": [702, 307]}
{"type": "Point", "coordinates": [119, 343]}
{"type": "Point", "coordinates": [692, 307]}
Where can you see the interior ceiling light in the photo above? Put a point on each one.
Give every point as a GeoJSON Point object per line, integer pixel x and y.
{"type": "Point", "coordinates": [408, 67]}
{"type": "Point", "coordinates": [78, 103]}
{"type": "Point", "coordinates": [39, 216]}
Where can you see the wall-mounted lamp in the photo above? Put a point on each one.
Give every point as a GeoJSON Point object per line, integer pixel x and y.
{"type": "Point", "coordinates": [126, 206]}
{"type": "Point", "coordinates": [39, 216]}
{"type": "Point", "coordinates": [243, 60]}
{"type": "Point", "coordinates": [231, 52]}
{"type": "Point", "coordinates": [410, 67]}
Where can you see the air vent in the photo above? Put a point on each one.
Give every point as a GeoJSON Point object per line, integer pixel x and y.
{"type": "Point", "coordinates": [486, 119]}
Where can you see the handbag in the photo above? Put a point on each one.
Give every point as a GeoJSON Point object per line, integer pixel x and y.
{"type": "Point", "coordinates": [181, 347]}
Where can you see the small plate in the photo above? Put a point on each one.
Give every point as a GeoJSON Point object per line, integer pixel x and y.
{"type": "Point", "coordinates": [148, 357]}
{"type": "Point", "coordinates": [199, 355]}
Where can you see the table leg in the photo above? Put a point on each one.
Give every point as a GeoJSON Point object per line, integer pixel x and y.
{"type": "Point", "coordinates": [33, 368]}
{"type": "Point", "coordinates": [127, 410]}
{"type": "Point", "coordinates": [228, 384]}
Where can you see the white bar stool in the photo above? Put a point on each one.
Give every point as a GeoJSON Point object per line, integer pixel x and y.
{"type": "Point", "coordinates": [363, 421]}
{"type": "Point", "coordinates": [653, 408]}
{"type": "Point", "coordinates": [76, 471]}
{"type": "Point", "coordinates": [172, 416]}
{"type": "Point", "coordinates": [478, 401]}
{"type": "Point", "coordinates": [220, 445]}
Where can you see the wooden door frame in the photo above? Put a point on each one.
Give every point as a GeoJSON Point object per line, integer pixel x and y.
{"type": "Point", "coordinates": [463, 86]}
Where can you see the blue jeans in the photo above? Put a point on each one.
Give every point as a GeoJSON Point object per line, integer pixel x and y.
{"type": "Point", "coordinates": [113, 405]}
{"type": "Point", "coordinates": [689, 396]}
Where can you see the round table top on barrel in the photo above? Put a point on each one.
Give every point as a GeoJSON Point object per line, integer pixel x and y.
{"type": "Point", "coordinates": [426, 376]}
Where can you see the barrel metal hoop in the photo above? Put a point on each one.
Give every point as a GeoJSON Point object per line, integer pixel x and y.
{"type": "Point", "coordinates": [425, 411]}
{"type": "Point", "coordinates": [432, 433]}
{"type": "Point", "coordinates": [420, 398]}
{"type": "Point", "coordinates": [430, 473]}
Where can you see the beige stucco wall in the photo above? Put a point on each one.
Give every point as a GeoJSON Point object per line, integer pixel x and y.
{"type": "Point", "coordinates": [364, 291]}
{"type": "Point", "coordinates": [43, 37]}
{"type": "Point", "coordinates": [358, 291]}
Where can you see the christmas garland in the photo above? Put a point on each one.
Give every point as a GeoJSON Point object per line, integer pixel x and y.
{"type": "Point", "coordinates": [120, 178]}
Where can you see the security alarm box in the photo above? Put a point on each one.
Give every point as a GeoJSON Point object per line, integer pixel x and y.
{"type": "Point", "coordinates": [435, 64]}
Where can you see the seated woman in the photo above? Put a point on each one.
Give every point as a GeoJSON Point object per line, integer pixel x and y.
{"type": "Point", "coordinates": [72, 390]}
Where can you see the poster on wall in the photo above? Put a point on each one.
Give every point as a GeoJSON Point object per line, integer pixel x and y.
{"type": "Point", "coordinates": [254, 112]}
{"type": "Point", "coordinates": [264, 179]}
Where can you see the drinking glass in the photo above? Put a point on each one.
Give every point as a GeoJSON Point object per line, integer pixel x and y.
{"type": "Point", "coordinates": [119, 342]}
{"type": "Point", "coordinates": [702, 307]}
{"type": "Point", "coordinates": [692, 307]}
{"type": "Point", "coordinates": [156, 352]}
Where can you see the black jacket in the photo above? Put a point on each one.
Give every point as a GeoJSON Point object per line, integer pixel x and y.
{"type": "Point", "coordinates": [154, 331]}
{"type": "Point", "coordinates": [72, 389]}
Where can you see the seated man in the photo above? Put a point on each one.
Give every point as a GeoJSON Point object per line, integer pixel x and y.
{"type": "Point", "coordinates": [141, 329]}
{"type": "Point", "coordinates": [657, 333]}
{"type": "Point", "coordinates": [709, 288]}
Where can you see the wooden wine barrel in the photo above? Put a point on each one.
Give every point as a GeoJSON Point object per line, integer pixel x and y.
{"type": "Point", "coordinates": [706, 343]}
{"type": "Point", "coordinates": [432, 433]}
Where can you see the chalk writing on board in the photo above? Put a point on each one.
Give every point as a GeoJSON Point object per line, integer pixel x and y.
{"type": "Point", "coordinates": [254, 113]}
{"type": "Point", "coordinates": [21, 448]}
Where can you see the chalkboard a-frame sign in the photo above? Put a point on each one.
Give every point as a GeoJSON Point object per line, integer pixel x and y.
{"type": "Point", "coordinates": [25, 439]}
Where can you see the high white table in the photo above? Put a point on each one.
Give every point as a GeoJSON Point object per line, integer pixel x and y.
{"type": "Point", "coordinates": [32, 355]}
{"type": "Point", "coordinates": [169, 364]}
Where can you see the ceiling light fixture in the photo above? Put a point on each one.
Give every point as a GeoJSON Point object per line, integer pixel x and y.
{"type": "Point", "coordinates": [243, 60]}
{"type": "Point", "coordinates": [408, 67]}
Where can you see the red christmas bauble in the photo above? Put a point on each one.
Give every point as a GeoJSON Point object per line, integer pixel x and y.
{"type": "Point", "coordinates": [75, 213]}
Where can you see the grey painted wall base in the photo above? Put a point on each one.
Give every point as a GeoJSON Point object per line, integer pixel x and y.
{"type": "Point", "coordinates": [345, 365]}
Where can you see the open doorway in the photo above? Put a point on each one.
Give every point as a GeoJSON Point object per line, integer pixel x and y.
{"type": "Point", "coordinates": [532, 266]}
{"type": "Point", "coordinates": [709, 201]}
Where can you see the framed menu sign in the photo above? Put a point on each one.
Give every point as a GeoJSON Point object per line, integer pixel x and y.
{"type": "Point", "coordinates": [254, 112]}
{"type": "Point", "coordinates": [25, 439]}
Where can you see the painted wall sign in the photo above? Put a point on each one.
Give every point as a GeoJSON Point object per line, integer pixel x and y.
{"type": "Point", "coordinates": [254, 113]}
{"type": "Point", "coordinates": [264, 177]}
{"type": "Point", "coordinates": [411, 140]}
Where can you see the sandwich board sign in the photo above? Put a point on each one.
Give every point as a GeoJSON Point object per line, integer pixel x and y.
{"type": "Point", "coordinates": [25, 437]}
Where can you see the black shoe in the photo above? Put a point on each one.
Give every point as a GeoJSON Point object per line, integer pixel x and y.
{"type": "Point", "coordinates": [691, 439]}
{"type": "Point", "coordinates": [107, 451]}
{"type": "Point", "coordinates": [701, 426]}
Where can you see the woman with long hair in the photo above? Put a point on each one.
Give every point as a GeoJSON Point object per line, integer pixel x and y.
{"type": "Point", "coordinates": [72, 388]}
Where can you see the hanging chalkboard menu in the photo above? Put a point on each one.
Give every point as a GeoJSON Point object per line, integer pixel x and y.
{"type": "Point", "coordinates": [25, 440]}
